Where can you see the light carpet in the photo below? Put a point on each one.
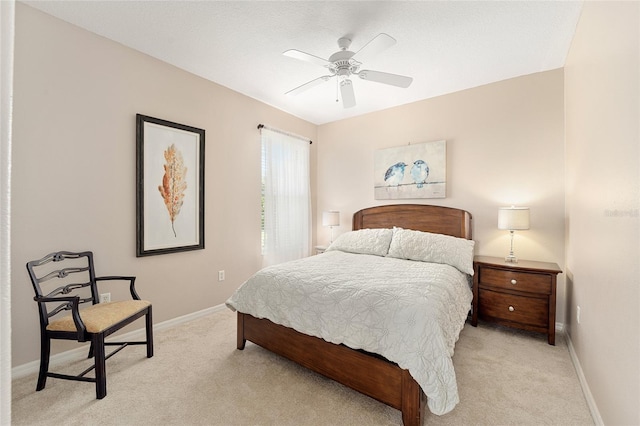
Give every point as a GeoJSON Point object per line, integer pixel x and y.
{"type": "Point", "coordinates": [198, 377]}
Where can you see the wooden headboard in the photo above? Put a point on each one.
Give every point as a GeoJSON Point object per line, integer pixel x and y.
{"type": "Point", "coordinates": [419, 217]}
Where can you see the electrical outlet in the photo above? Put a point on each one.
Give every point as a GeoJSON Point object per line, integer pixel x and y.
{"type": "Point", "coordinates": [105, 298]}
{"type": "Point", "coordinates": [221, 275]}
{"type": "Point", "coordinates": [578, 314]}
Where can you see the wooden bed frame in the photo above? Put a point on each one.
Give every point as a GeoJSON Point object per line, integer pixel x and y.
{"type": "Point", "coordinates": [390, 384]}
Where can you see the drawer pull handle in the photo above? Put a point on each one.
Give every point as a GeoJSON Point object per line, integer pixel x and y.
{"type": "Point", "coordinates": [511, 309]}
{"type": "Point", "coordinates": [513, 282]}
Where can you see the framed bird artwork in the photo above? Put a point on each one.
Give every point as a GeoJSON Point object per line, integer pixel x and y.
{"type": "Point", "coordinates": [412, 171]}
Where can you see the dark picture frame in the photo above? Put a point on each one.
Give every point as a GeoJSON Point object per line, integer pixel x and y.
{"type": "Point", "coordinates": [169, 187]}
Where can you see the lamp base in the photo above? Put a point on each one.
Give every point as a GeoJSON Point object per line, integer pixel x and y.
{"type": "Point", "coordinates": [511, 258]}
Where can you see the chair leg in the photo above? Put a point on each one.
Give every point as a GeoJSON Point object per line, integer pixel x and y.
{"type": "Point", "coordinates": [90, 350]}
{"type": "Point", "coordinates": [45, 350]}
{"type": "Point", "coordinates": [100, 370]}
{"type": "Point", "coordinates": [149, 327]}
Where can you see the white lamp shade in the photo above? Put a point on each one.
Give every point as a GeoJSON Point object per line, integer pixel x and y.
{"type": "Point", "coordinates": [513, 218]}
{"type": "Point", "coordinates": [331, 218]}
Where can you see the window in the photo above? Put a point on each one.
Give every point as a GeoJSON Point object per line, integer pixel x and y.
{"type": "Point", "coordinates": [286, 199]}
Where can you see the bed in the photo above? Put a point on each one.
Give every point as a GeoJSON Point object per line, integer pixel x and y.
{"type": "Point", "coordinates": [351, 364]}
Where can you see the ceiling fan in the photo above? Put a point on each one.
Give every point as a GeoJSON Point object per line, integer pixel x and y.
{"type": "Point", "coordinates": [344, 63]}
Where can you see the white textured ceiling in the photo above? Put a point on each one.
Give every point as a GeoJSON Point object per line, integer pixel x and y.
{"type": "Point", "coordinates": [446, 46]}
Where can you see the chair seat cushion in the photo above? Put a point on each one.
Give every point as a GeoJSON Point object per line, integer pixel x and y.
{"type": "Point", "coordinates": [98, 318]}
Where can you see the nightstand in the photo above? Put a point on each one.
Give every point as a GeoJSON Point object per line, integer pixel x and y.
{"type": "Point", "coordinates": [520, 295]}
{"type": "Point", "coordinates": [320, 249]}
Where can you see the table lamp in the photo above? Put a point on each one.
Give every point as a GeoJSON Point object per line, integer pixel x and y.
{"type": "Point", "coordinates": [513, 219]}
{"type": "Point", "coordinates": [331, 219]}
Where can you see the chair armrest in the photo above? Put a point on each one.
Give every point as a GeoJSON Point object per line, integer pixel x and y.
{"type": "Point", "coordinates": [73, 302]}
{"type": "Point", "coordinates": [131, 280]}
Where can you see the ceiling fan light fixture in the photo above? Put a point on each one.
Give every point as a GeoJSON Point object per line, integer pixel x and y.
{"type": "Point", "coordinates": [342, 65]}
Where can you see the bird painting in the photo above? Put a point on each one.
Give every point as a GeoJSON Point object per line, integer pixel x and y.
{"type": "Point", "coordinates": [412, 171]}
{"type": "Point", "coordinates": [419, 173]}
{"type": "Point", "coordinates": [395, 174]}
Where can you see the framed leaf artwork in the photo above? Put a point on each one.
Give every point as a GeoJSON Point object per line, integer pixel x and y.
{"type": "Point", "coordinates": [170, 187]}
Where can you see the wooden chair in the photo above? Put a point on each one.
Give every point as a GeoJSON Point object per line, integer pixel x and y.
{"type": "Point", "coordinates": [72, 277]}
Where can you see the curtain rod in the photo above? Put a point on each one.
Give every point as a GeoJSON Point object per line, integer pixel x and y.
{"type": "Point", "coordinates": [260, 126]}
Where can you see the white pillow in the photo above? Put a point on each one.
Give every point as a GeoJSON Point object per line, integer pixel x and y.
{"type": "Point", "coordinates": [364, 241]}
{"type": "Point", "coordinates": [436, 248]}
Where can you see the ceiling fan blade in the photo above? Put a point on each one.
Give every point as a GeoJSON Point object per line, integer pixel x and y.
{"type": "Point", "coordinates": [296, 54]}
{"type": "Point", "coordinates": [386, 78]}
{"type": "Point", "coordinates": [308, 85]}
{"type": "Point", "coordinates": [379, 43]}
{"type": "Point", "coordinates": [348, 97]}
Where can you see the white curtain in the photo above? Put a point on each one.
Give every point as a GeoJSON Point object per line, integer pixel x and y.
{"type": "Point", "coordinates": [287, 197]}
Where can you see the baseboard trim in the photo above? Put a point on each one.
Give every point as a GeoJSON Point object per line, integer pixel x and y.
{"type": "Point", "coordinates": [591, 402]}
{"type": "Point", "coordinates": [81, 352]}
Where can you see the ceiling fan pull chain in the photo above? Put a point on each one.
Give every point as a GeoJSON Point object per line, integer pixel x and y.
{"type": "Point", "coordinates": [337, 91]}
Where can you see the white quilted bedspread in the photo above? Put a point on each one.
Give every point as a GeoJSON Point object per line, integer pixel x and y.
{"type": "Point", "coordinates": [410, 312]}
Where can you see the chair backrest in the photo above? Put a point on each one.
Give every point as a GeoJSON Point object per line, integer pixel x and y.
{"type": "Point", "coordinates": [62, 274]}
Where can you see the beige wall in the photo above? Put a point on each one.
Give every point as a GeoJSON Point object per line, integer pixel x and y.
{"type": "Point", "coordinates": [76, 97]}
{"type": "Point", "coordinates": [505, 145]}
{"type": "Point", "coordinates": [603, 205]}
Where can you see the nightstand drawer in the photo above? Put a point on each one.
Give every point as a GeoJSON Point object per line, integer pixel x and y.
{"type": "Point", "coordinates": [518, 281]}
{"type": "Point", "coordinates": [509, 307]}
